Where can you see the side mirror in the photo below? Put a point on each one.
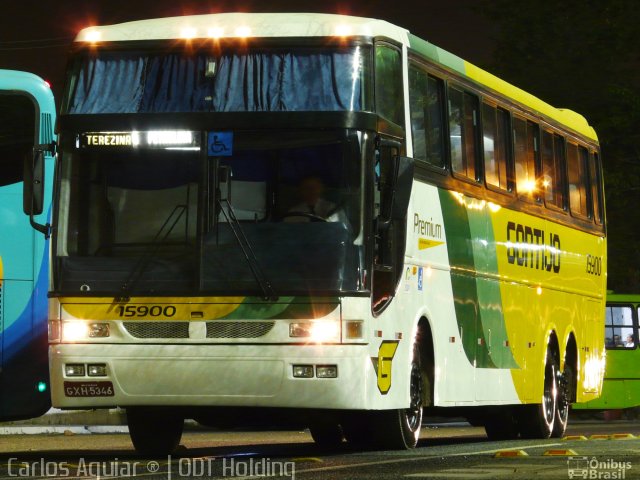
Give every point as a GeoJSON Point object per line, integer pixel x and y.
{"type": "Point", "coordinates": [397, 191]}
{"type": "Point", "coordinates": [33, 191]}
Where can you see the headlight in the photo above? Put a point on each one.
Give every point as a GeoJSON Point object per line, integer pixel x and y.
{"type": "Point", "coordinates": [77, 330]}
{"type": "Point", "coordinates": [316, 331]}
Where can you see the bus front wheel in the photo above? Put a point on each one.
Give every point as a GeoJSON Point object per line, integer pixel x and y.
{"type": "Point", "coordinates": [154, 433]}
{"type": "Point", "coordinates": [327, 435]}
{"type": "Point", "coordinates": [400, 429]}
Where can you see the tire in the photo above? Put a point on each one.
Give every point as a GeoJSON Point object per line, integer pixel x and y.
{"type": "Point", "coordinates": [154, 433]}
{"type": "Point", "coordinates": [327, 435]}
{"type": "Point", "coordinates": [565, 382]}
{"type": "Point", "coordinates": [502, 425]}
{"type": "Point", "coordinates": [537, 421]}
{"type": "Point", "coordinates": [400, 429]}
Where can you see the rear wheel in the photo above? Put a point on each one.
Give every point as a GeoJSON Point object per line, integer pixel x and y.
{"type": "Point", "coordinates": [154, 433]}
{"type": "Point", "coordinates": [537, 421]}
{"type": "Point", "coordinates": [563, 400]}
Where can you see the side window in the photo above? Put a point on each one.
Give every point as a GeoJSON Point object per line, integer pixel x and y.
{"type": "Point", "coordinates": [463, 114]}
{"type": "Point", "coordinates": [495, 127]}
{"type": "Point", "coordinates": [596, 187]}
{"type": "Point", "coordinates": [577, 158]}
{"type": "Point", "coordinates": [552, 169]}
{"type": "Point", "coordinates": [525, 136]}
{"type": "Point", "coordinates": [618, 330]}
{"type": "Point", "coordinates": [426, 105]}
{"type": "Point", "coordinates": [389, 100]}
{"type": "Point", "coordinates": [17, 133]}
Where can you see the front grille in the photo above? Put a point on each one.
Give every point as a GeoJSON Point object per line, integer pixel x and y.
{"type": "Point", "coordinates": [157, 329]}
{"type": "Point", "coordinates": [220, 329]}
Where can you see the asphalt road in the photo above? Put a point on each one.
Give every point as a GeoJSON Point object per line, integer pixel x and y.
{"type": "Point", "coordinates": [455, 451]}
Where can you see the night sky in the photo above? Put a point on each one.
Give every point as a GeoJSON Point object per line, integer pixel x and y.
{"type": "Point", "coordinates": [35, 34]}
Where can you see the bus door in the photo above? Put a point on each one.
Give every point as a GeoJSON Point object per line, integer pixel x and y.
{"type": "Point", "coordinates": [23, 347]}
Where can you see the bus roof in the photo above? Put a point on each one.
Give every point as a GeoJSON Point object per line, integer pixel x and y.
{"type": "Point", "coordinates": [623, 298]}
{"type": "Point", "coordinates": [38, 89]}
{"type": "Point", "coordinates": [323, 25]}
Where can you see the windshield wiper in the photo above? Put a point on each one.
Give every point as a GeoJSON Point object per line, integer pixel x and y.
{"type": "Point", "coordinates": [158, 240]}
{"type": "Point", "coordinates": [247, 250]}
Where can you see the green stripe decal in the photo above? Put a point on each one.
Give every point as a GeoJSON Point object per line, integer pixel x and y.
{"type": "Point", "coordinates": [477, 298]}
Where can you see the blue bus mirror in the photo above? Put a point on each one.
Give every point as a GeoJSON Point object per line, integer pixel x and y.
{"type": "Point", "coordinates": [33, 190]}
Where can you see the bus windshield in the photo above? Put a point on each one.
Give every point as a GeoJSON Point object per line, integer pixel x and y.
{"type": "Point", "coordinates": [152, 220]}
{"type": "Point", "coordinates": [224, 80]}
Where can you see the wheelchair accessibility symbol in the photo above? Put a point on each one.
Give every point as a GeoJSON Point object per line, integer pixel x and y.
{"type": "Point", "coordinates": [220, 144]}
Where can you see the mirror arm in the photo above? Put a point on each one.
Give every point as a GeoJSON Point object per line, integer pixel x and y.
{"type": "Point", "coordinates": [44, 229]}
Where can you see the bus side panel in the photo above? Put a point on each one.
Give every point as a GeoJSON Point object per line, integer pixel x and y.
{"type": "Point", "coordinates": [24, 328]}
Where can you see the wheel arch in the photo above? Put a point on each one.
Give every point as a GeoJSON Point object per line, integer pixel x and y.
{"type": "Point", "coordinates": [424, 339]}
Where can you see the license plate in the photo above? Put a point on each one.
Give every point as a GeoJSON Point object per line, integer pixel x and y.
{"type": "Point", "coordinates": [88, 389]}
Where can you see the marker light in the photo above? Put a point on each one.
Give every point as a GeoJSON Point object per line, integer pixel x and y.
{"type": "Point", "coordinates": [46, 82]}
{"type": "Point", "coordinates": [243, 31]}
{"type": "Point", "coordinates": [215, 32]}
{"type": "Point", "coordinates": [318, 332]}
{"type": "Point", "coordinates": [42, 387]}
{"type": "Point", "coordinates": [343, 30]}
{"type": "Point", "coordinates": [353, 328]}
{"type": "Point", "coordinates": [92, 36]}
{"type": "Point", "coordinates": [188, 33]}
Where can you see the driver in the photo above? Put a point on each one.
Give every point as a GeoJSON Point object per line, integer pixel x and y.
{"type": "Point", "coordinates": [310, 191]}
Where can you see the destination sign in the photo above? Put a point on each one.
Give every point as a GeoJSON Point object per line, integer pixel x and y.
{"type": "Point", "coordinates": [165, 139]}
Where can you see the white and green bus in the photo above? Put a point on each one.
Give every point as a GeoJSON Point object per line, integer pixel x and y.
{"type": "Point", "coordinates": [318, 218]}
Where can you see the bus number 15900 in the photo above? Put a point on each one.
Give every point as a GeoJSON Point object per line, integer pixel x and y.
{"type": "Point", "coordinates": [146, 311]}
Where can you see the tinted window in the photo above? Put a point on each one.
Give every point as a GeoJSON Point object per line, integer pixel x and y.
{"type": "Point", "coordinates": [462, 130]}
{"type": "Point", "coordinates": [552, 168]}
{"type": "Point", "coordinates": [577, 158]}
{"type": "Point", "coordinates": [494, 131]}
{"type": "Point", "coordinates": [17, 133]}
{"type": "Point", "coordinates": [618, 330]}
{"type": "Point", "coordinates": [596, 186]}
{"type": "Point", "coordinates": [526, 150]}
{"type": "Point", "coordinates": [425, 100]}
{"type": "Point", "coordinates": [389, 101]}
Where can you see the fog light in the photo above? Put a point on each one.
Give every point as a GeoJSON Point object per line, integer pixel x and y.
{"type": "Point", "coordinates": [97, 370]}
{"type": "Point", "coordinates": [98, 330]}
{"type": "Point", "coordinates": [327, 371]}
{"type": "Point", "coordinates": [303, 371]}
{"type": "Point", "coordinates": [74, 370]}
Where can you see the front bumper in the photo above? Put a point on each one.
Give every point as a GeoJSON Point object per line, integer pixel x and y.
{"type": "Point", "coordinates": [216, 375]}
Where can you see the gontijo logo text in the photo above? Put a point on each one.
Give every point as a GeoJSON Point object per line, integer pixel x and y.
{"type": "Point", "coordinates": [533, 247]}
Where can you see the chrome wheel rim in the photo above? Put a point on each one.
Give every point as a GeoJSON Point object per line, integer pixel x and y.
{"type": "Point", "coordinates": [414, 412]}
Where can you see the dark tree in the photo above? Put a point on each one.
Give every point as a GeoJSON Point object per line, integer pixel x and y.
{"type": "Point", "coordinates": [585, 55]}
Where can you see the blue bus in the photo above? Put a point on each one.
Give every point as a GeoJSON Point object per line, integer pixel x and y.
{"type": "Point", "coordinates": [27, 117]}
